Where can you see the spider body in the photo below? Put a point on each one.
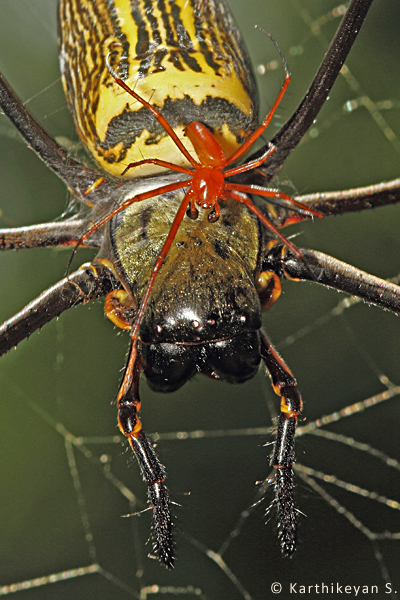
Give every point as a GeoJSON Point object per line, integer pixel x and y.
{"type": "Point", "coordinates": [203, 310]}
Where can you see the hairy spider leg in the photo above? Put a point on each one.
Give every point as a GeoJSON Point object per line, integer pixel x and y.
{"type": "Point", "coordinates": [152, 471]}
{"type": "Point", "coordinates": [285, 386]}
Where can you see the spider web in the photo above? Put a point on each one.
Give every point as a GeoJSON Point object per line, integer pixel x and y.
{"type": "Point", "coordinates": [66, 480]}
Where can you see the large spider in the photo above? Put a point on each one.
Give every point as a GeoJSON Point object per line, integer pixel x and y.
{"type": "Point", "coordinates": [309, 265]}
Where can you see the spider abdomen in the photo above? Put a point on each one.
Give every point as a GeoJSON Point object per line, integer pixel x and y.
{"type": "Point", "coordinates": [187, 58]}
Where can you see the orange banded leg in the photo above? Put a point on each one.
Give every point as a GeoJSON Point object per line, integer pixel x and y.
{"type": "Point", "coordinates": [282, 459]}
{"type": "Point", "coordinates": [152, 470]}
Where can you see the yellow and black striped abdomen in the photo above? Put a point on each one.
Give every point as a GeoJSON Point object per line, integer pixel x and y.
{"type": "Point", "coordinates": [186, 57]}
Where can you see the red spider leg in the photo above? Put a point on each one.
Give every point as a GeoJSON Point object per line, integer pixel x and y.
{"type": "Point", "coordinates": [130, 382]}
{"type": "Point", "coordinates": [261, 128]}
{"type": "Point", "coordinates": [260, 191]}
{"type": "Point", "coordinates": [155, 113]}
{"type": "Point", "coordinates": [231, 187]}
{"type": "Point", "coordinates": [253, 164]}
{"type": "Point", "coordinates": [158, 162]}
{"type": "Point", "coordinates": [285, 386]}
{"type": "Point", "coordinates": [271, 193]}
{"type": "Point", "coordinates": [255, 189]}
{"type": "Point", "coordinates": [145, 196]}
{"type": "Point", "coordinates": [161, 257]}
{"type": "Point", "coordinates": [214, 157]}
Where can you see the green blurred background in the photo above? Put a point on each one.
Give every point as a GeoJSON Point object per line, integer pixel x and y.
{"type": "Point", "coordinates": [71, 369]}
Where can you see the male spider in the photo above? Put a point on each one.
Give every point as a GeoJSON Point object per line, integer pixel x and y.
{"type": "Point", "coordinates": [297, 269]}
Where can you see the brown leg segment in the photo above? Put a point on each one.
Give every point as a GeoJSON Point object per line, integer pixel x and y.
{"type": "Point", "coordinates": [285, 386]}
{"type": "Point", "coordinates": [85, 285]}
